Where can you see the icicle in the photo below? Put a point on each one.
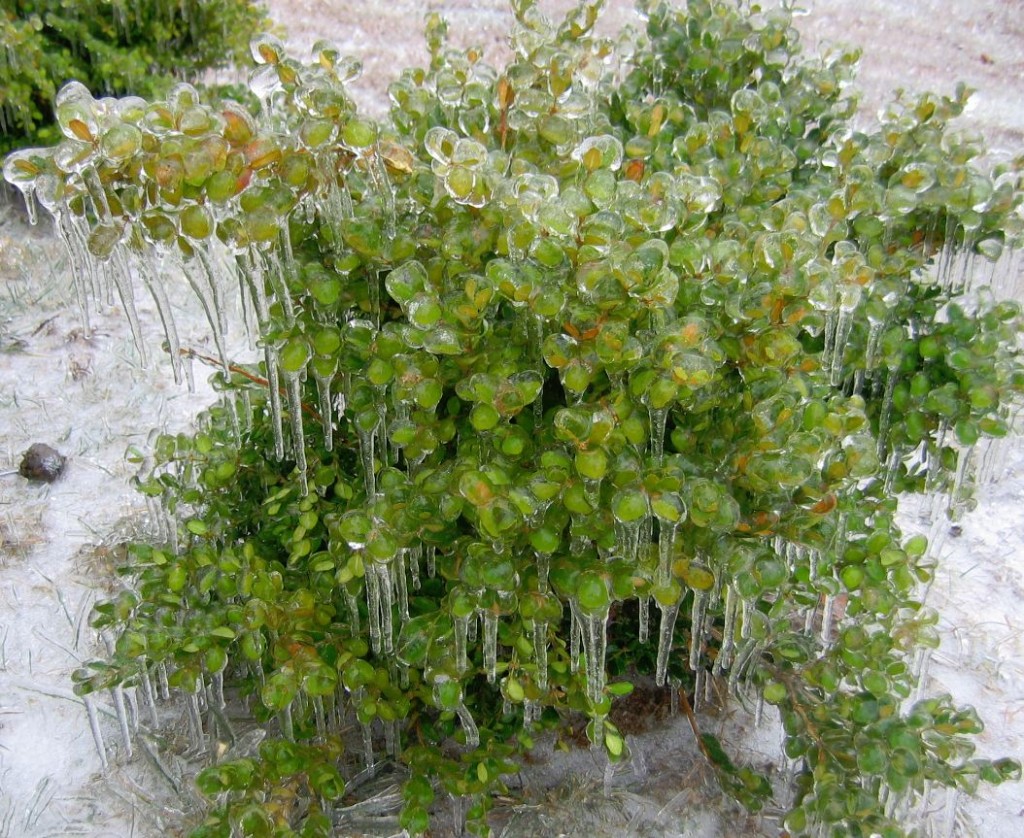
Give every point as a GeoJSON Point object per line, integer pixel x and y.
{"type": "Point", "coordinates": [957, 494]}
{"type": "Point", "coordinates": [574, 642]}
{"type": "Point", "coordinates": [293, 380]}
{"type": "Point", "coordinates": [161, 679]}
{"type": "Point", "coordinates": [94, 726]}
{"type": "Point", "coordinates": [279, 264]}
{"type": "Point", "coordinates": [828, 351]}
{"type": "Point", "coordinates": [259, 297]}
{"type": "Point", "coordinates": [195, 721]}
{"type": "Point", "coordinates": [728, 632]}
{"type": "Point", "coordinates": [118, 695]}
{"type": "Point", "coordinates": [320, 717]}
{"type": "Point", "coordinates": [123, 282]}
{"type": "Point", "coordinates": [401, 585]}
{"type": "Point", "coordinates": [414, 564]}
{"type": "Point", "coordinates": [490, 643]}
{"type": "Point", "coordinates": [148, 698]}
{"type": "Point", "coordinates": [468, 725]}
{"type": "Point", "coordinates": [368, 757]}
{"type": "Point", "coordinates": [387, 602]}
{"type": "Point", "coordinates": [385, 191]}
{"type": "Point", "coordinates": [645, 616]}
{"type": "Point", "coordinates": [594, 635]}
{"type": "Point", "coordinates": [391, 738]}
{"type": "Point", "coordinates": [666, 543]}
{"type": "Point", "coordinates": [659, 420]}
{"type": "Point", "coordinates": [666, 633]}
{"type": "Point", "coordinates": [540, 653]}
{"type": "Point", "coordinates": [849, 298]}
{"type": "Point", "coordinates": [163, 307]}
{"type": "Point", "coordinates": [697, 628]}
{"type": "Point", "coordinates": [543, 569]}
{"type": "Point", "coordinates": [461, 633]}
{"type": "Point", "coordinates": [826, 620]}
{"type": "Point", "coordinates": [323, 389]}
{"type": "Point", "coordinates": [627, 538]}
{"type": "Point", "coordinates": [366, 454]}
{"type": "Point", "coordinates": [431, 551]}
{"type": "Point", "coordinates": [353, 610]}
{"type": "Point", "coordinates": [373, 597]}
{"type": "Point", "coordinates": [30, 204]}
{"type": "Point", "coordinates": [287, 724]}
{"type": "Point", "coordinates": [471, 634]}
{"type": "Point", "coordinates": [79, 266]}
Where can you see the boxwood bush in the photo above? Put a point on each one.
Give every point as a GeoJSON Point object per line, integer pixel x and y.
{"type": "Point", "coordinates": [114, 47]}
{"type": "Point", "coordinates": [623, 350]}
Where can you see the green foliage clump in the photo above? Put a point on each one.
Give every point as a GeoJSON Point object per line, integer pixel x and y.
{"type": "Point", "coordinates": [624, 322]}
{"type": "Point", "coordinates": [113, 47]}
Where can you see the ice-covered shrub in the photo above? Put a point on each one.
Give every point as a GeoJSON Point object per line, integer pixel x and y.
{"type": "Point", "coordinates": [638, 332]}
{"type": "Point", "coordinates": [114, 47]}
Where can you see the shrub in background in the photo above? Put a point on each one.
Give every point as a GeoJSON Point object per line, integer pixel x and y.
{"type": "Point", "coordinates": [114, 47]}
{"type": "Point", "coordinates": [626, 336]}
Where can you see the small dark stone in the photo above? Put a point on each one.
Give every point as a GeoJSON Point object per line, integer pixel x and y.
{"type": "Point", "coordinates": [42, 463]}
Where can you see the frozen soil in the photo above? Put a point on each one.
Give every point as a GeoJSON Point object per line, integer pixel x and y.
{"type": "Point", "coordinates": [88, 393]}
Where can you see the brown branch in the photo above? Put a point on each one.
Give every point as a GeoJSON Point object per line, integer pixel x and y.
{"type": "Point", "coordinates": [255, 379]}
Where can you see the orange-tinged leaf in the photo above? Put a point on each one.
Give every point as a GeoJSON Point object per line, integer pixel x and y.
{"type": "Point", "coordinates": [81, 130]}
{"type": "Point", "coordinates": [397, 158]}
{"type": "Point", "coordinates": [506, 95]}
{"type": "Point", "coordinates": [635, 170]}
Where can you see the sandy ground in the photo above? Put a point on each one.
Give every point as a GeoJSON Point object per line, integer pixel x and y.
{"type": "Point", "coordinates": [83, 393]}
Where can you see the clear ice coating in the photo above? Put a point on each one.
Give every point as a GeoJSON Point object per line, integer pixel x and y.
{"type": "Point", "coordinates": [293, 381]}
{"type": "Point", "coordinates": [593, 632]}
{"type": "Point", "coordinates": [490, 644]}
{"type": "Point", "coordinates": [461, 637]}
{"type": "Point", "coordinates": [540, 652]}
{"type": "Point", "coordinates": [94, 726]}
{"type": "Point", "coordinates": [117, 694]}
{"type": "Point", "coordinates": [645, 618]}
{"type": "Point", "coordinates": [666, 631]}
